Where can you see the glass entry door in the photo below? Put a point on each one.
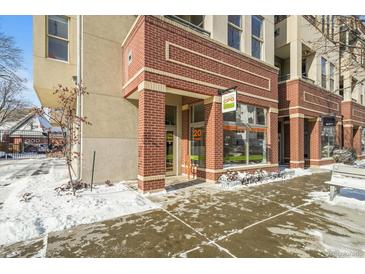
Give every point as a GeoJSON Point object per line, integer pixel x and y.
{"type": "Point", "coordinates": [170, 145]}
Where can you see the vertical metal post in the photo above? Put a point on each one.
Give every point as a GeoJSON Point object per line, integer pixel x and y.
{"type": "Point", "coordinates": [92, 171]}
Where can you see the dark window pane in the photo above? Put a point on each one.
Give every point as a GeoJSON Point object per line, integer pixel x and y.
{"type": "Point", "coordinates": [256, 48]}
{"type": "Point", "coordinates": [260, 116]}
{"type": "Point", "coordinates": [234, 37]}
{"type": "Point", "coordinates": [328, 135]}
{"type": "Point", "coordinates": [257, 26]}
{"type": "Point", "coordinates": [170, 115]}
{"type": "Point", "coordinates": [235, 147]}
{"type": "Point", "coordinates": [58, 26]}
{"type": "Point", "coordinates": [229, 116]}
{"type": "Point", "coordinates": [257, 148]}
{"type": "Point", "coordinates": [235, 19]}
{"type": "Point", "coordinates": [198, 113]}
{"type": "Point", "coordinates": [57, 49]}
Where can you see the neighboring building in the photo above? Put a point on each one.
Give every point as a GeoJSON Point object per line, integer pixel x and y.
{"type": "Point", "coordinates": [24, 132]}
{"type": "Point", "coordinates": [314, 98]}
{"type": "Point", "coordinates": [155, 101]}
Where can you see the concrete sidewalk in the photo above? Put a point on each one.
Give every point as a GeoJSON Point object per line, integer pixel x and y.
{"type": "Point", "coordinates": [202, 220]}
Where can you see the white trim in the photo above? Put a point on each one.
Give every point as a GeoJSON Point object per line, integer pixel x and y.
{"type": "Point", "coordinates": [296, 115]}
{"type": "Point", "coordinates": [151, 178]}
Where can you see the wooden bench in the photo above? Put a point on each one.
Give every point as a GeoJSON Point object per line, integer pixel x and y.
{"type": "Point", "coordinates": [346, 176]}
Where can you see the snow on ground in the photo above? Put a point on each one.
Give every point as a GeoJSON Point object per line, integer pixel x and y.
{"type": "Point", "coordinates": [48, 211]}
{"type": "Point", "coordinates": [291, 174]}
{"type": "Point", "coordinates": [348, 198]}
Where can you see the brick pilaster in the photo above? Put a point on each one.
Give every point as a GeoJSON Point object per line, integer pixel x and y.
{"type": "Point", "coordinates": [357, 140]}
{"type": "Point", "coordinates": [151, 140]}
{"type": "Point", "coordinates": [185, 138]}
{"type": "Point", "coordinates": [315, 139]}
{"type": "Point", "coordinates": [213, 139]}
{"type": "Point", "coordinates": [348, 136]}
{"type": "Point", "coordinates": [297, 141]}
{"type": "Point", "coordinates": [272, 139]}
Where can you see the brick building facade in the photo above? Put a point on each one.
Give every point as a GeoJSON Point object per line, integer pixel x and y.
{"type": "Point", "coordinates": [160, 58]}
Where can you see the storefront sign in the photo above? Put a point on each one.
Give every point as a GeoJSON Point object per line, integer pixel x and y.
{"type": "Point", "coordinates": [329, 121]}
{"type": "Point", "coordinates": [229, 102]}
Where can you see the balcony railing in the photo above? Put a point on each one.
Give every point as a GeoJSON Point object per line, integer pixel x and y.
{"type": "Point", "coordinates": [188, 24]}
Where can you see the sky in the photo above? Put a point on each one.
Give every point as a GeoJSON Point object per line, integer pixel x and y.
{"type": "Point", "coordinates": [20, 28]}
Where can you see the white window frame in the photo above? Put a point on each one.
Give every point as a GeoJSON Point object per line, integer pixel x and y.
{"type": "Point", "coordinates": [259, 39]}
{"type": "Point", "coordinates": [59, 38]}
{"type": "Point", "coordinates": [238, 28]}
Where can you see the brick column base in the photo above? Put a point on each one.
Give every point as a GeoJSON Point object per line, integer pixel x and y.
{"type": "Point", "coordinates": [297, 141]}
{"type": "Point", "coordinates": [151, 141]}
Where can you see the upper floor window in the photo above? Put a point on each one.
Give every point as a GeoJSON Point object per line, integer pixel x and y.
{"type": "Point", "coordinates": [323, 72]}
{"type": "Point", "coordinates": [234, 31]}
{"type": "Point", "coordinates": [332, 77]}
{"type": "Point", "coordinates": [57, 37]}
{"type": "Point", "coordinates": [257, 36]}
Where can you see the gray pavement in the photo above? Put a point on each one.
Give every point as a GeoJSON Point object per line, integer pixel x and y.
{"type": "Point", "coordinates": [202, 220]}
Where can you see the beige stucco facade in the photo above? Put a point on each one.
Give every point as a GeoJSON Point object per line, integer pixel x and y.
{"type": "Point", "coordinates": [48, 72]}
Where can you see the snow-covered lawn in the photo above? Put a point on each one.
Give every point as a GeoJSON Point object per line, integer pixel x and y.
{"type": "Point", "coordinates": [48, 211]}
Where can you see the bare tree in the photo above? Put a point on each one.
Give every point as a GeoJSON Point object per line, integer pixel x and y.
{"type": "Point", "coordinates": [343, 37]}
{"type": "Point", "coordinates": [69, 122]}
{"type": "Point", "coordinates": [11, 84]}
{"type": "Point", "coordinates": [10, 99]}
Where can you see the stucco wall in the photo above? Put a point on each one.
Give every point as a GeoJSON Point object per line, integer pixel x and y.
{"type": "Point", "coordinates": [113, 133]}
{"type": "Point", "coordinates": [47, 72]}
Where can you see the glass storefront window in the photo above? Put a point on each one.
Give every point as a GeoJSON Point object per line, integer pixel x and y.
{"type": "Point", "coordinates": [170, 115]}
{"type": "Point", "coordinates": [197, 113]}
{"type": "Point", "coordinates": [245, 136]}
{"type": "Point", "coordinates": [198, 146]}
{"type": "Point", "coordinates": [328, 136]}
{"type": "Point", "coordinates": [197, 135]}
{"type": "Point", "coordinates": [235, 147]}
{"type": "Point", "coordinates": [257, 148]}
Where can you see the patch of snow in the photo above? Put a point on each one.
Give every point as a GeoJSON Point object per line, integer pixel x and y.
{"type": "Point", "coordinates": [349, 198]}
{"type": "Point", "coordinates": [49, 211]}
{"type": "Point", "coordinates": [288, 174]}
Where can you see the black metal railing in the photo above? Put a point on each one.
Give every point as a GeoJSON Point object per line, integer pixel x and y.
{"type": "Point", "coordinates": [27, 144]}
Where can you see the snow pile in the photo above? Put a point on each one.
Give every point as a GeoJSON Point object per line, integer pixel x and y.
{"type": "Point", "coordinates": [298, 172]}
{"type": "Point", "coordinates": [349, 198]}
{"type": "Point", "coordinates": [235, 178]}
{"type": "Point", "coordinates": [46, 211]}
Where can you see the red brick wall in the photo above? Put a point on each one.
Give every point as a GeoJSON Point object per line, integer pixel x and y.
{"type": "Point", "coordinates": [315, 99]}
{"type": "Point", "coordinates": [297, 142]}
{"type": "Point", "coordinates": [157, 32]}
{"type": "Point", "coordinates": [315, 140]}
{"type": "Point", "coordinates": [151, 137]}
{"type": "Point", "coordinates": [357, 140]}
{"type": "Point", "coordinates": [348, 137]}
{"type": "Point", "coordinates": [213, 137]}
